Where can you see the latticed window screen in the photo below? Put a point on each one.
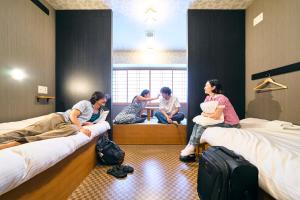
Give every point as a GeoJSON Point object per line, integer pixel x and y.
{"type": "Point", "coordinates": [129, 83]}
{"type": "Point", "coordinates": [119, 89]}
{"type": "Point", "coordinates": [138, 80]}
{"type": "Point", "coordinates": [179, 87]}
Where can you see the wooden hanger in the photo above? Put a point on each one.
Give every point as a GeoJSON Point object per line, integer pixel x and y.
{"type": "Point", "coordinates": [261, 87]}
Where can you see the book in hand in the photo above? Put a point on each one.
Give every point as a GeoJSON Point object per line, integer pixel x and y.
{"type": "Point", "coordinates": [103, 116]}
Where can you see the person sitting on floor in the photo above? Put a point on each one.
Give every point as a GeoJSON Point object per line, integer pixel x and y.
{"type": "Point", "coordinates": [168, 108]}
{"type": "Point", "coordinates": [213, 89]}
{"type": "Point", "coordinates": [60, 124]}
{"type": "Point", "coordinates": [131, 114]}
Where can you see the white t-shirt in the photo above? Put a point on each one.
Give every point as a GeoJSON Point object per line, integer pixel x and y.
{"type": "Point", "coordinates": [168, 105]}
{"type": "Point", "coordinates": [86, 111]}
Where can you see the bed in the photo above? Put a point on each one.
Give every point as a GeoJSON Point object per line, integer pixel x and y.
{"type": "Point", "coordinates": [275, 152]}
{"type": "Point", "coordinates": [30, 170]}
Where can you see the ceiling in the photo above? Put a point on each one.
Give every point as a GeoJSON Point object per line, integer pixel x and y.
{"type": "Point", "coordinates": [129, 19]}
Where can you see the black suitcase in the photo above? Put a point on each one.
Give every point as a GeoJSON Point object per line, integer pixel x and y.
{"type": "Point", "coordinates": [224, 175]}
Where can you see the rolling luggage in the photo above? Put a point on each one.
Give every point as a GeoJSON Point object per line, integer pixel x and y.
{"type": "Point", "coordinates": [224, 175]}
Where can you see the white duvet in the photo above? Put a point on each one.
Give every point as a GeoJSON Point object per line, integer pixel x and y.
{"type": "Point", "coordinates": [275, 152]}
{"type": "Point", "coordinates": [19, 164]}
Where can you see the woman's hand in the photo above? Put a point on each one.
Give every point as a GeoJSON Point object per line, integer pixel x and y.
{"type": "Point", "coordinates": [86, 132]}
{"type": "Point", "coordinates": [216, 115]}
{"type": "Point", "coordinates": [87, 123]}
{"type": "Point", "coordinates": [169, 120]}
{"type": "Point", "coordinates": [205, 114]}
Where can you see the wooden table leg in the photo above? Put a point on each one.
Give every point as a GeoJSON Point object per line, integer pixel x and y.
{"type": "Point", "coordinates": [148, 114]}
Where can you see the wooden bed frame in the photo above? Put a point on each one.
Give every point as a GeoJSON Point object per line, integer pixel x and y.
{"type": "Point", "coordinates": [59, 181]}
{"type": "Point", "coordinates": [149, 134]}
{"type": "Point", "coordinates": [262, 195]}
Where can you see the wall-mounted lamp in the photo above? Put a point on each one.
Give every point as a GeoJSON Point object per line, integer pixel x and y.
{"type": "Point", "coordinates": [18, 74]}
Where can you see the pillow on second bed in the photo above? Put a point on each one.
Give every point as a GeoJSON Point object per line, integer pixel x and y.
{"type": "Point", "coordinates": [208, 107]}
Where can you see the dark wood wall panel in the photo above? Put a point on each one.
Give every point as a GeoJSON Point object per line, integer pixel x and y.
{"type": "Point", "coordinates": [83, 55]}
{"type": "Point", "coordinates": [216, 49]}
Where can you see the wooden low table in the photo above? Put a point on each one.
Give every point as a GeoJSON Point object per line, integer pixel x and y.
{"type": "Point", "coordinates": [150, 110]}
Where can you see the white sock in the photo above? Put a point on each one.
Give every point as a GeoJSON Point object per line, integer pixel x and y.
{"type": "Point", "coordinates": [188, 150]}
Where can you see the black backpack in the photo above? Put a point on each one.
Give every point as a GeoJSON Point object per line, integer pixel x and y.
{"type": "Point", "coordinates": [108, 152]}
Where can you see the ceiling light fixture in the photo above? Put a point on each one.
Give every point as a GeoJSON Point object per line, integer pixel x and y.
{"type": "Point", "coordinates": [150, 19]}
{"type": "Point", "coordinates": [150, 15]}
{"type": "Point", "coordinates": [149, 39]}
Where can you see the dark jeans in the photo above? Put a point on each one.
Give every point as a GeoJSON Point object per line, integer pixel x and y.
{"type": "Point", "coordinates": [162, 119]}
{"type": "Point", "coordinates": [198, 131]}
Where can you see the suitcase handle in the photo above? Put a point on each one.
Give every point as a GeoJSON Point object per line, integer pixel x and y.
{"type": "Point", "coordinates": [229, 152]}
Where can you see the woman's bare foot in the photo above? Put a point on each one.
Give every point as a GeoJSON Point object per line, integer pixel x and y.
{"type": "Point", "coordinates": [10, 144]}
{"type": "Point", "coordinates": [175, 123]}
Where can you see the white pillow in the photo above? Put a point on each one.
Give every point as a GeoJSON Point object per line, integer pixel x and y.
{"type": "Point", "coordinates": [208, 107]}
{"type": "Point", "coordinates": [282, 126]}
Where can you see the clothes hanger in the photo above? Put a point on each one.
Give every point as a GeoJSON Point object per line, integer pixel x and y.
{"type": "Point", "coordinates": [267, 81]}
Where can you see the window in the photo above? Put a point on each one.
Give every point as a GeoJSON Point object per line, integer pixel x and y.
{"type": "Point", "coordinates": [128, 83]}
{"type": "Point", "coordinates": [159, 79]}
{"type": "Point", "coordinates": [138, 80]}
{"type": "Point", "coordinates": [180, 85]}
{"type": "Point", "coordinates": [120, 86]}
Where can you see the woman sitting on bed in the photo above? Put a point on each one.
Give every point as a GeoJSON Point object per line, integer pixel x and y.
{"type": "Point", "coordinates": [213, 89]}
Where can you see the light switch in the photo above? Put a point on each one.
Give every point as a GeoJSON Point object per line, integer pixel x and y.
{"type": "Point", "coordinates": [258, 19]}
{"type": "Point", "coordinates": [42, 89]}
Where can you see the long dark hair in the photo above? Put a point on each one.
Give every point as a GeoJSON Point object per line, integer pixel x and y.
{"type": "Point", "coordinates": [143, 94]}
{"type": "Point", "coordinates": [218, 87]}
{"type": "Point", "coordinates": [96, 96]}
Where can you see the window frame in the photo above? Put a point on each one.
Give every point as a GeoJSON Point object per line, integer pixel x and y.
{"type": "Point", "coordinates": [150, 69]}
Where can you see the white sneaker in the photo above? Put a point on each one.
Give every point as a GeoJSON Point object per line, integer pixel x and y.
{"type": "Point", "coordinates": [188, 150]}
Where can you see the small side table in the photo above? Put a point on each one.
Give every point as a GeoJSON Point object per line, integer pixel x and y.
{"type": "Point", "coordinates": [150, 110]}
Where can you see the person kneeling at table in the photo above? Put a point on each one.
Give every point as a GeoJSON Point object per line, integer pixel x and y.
{"type": "Point", "coordinates": [131, 114]}
{"type": "Point", "coordinates": [168, 108]}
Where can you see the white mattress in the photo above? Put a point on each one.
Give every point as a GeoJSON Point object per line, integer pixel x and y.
{"type": "Point", "coordinates": [19, 164]}
{"type": "Point", "coordinates": [275, 153]}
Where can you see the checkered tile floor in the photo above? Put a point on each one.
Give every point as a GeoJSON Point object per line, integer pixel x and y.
{"type": "Point", "coordinates": [158, 175]}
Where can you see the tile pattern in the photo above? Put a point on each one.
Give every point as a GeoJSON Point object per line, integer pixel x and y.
{"type": "Point", "coordinates": [158, 175]}
{"type": "Point", "coordinates": [221, 4]}
{"type": "Point", "coordinates": [129, 6]}
{"type": "Point", "coordinates": [77, 4]}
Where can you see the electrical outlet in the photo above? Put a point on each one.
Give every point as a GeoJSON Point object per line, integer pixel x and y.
{"type": "Point", "coordinates": [42, 89]}
{"type": "Point", "coordinates": [258, 19]}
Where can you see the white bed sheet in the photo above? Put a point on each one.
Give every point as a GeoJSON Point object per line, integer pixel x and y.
{"type": "Point", "coordinates": [21, 163]}
{"type": "Point", "coordinates": [275, 153]}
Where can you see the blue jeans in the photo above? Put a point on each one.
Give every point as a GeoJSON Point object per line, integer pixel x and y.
{"type": "Point", "coordinates": [198, 131]}
{"type": "Point", "coordinates": [162, 119]}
